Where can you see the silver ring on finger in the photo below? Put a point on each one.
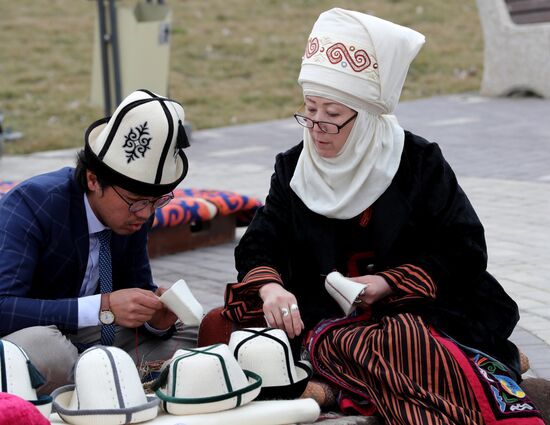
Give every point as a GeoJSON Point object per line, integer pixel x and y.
{"type": "Point", "coordinates": [294, 307]}
{"type": "Point", "coordinates": [284, 311]}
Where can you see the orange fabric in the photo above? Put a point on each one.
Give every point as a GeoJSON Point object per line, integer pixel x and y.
{"type": "Point", "coordinates": [186, 207]}
{"type": "Point", "coordinates": [181, 210]}
{"type": "Point", "coordinates": [227, 202]}
{"type": "Point", "coordinates": [396, 363]}
{"type": "Point", "coordinates": [409, 282]}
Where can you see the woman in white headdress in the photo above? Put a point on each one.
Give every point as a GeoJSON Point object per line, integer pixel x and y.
{"type": "Point", "coordinates": [380, 205]}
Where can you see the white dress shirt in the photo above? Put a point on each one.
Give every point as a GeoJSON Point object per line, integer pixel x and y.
{"type": "Point", "coordinates": [89, 302]}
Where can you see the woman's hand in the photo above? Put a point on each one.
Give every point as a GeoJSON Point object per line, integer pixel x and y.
{"type": "Point", "coordinates": [377, 288]}
{"type": "Point", "coordinates": [281, 309]}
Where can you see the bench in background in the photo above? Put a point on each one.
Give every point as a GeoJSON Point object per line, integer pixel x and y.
{"type": "Point", "coordinates": [197, 218]}
{"type": "Point", "coordinates": [517, 47]}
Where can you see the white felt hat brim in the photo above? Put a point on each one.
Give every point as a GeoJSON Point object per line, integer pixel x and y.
{"type": "Point", "coordinates": [190, 406]}
{"type": "Point", "coordinates": [291, 391]}
{"type": "Point", "coordinates": [275, 412]}
{"type": "Point", "coordinates": [62, 398]}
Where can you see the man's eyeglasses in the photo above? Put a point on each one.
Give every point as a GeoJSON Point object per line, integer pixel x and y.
{"type": "Point", "coordinates": [325, 127]}
{"type": "Point", "coordinates": [137, 206]}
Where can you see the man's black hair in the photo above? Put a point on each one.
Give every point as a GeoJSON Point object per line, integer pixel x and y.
{"type": "Point", "coordinates": [83, 165]}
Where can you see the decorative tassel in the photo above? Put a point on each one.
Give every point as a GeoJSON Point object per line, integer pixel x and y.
{"type": "Point", "coordinates": [162, 379]}
{"type": "Point", "coordinates": [181, 142]}
{"type": "Point", "coordinates": [37, 379]}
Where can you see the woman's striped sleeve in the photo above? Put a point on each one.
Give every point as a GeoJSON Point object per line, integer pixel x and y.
{"type": "Point", "coordinates": [242, 299]}
{"type": "Point", "coordinates": [409, 282]}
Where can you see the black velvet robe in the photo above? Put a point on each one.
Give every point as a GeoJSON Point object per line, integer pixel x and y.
{"type": "Point", "coordinates": [423, 218]}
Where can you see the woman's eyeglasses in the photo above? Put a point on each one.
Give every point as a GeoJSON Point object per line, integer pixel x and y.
{"type": "Point", "coordinates": [137, 206]}
{"type": "Point", "coordinates": [325, 127]}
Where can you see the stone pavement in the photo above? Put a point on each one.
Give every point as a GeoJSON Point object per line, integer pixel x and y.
{"type": "Point", "coordinates": [499, 149]}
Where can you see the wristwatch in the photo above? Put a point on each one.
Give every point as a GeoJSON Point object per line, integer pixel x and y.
{"type": "Point", "coordinates": [106, 316]}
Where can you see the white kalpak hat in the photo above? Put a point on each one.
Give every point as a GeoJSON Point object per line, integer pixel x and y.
{"type": "Point", "coordinates": [140, 147]}
{"type": "Point", "coordinates": [107, 391]}
{"type": "Point", "coordinates": [345, 291]}
{"type": "Point", "coordinates": [360, 56]}
{"type": "Point", "coordinates": [204, 380]}
{"type": "Point", "coordinates": [266, 351]}
{"type": "Point", "coordinates": [19, 377]}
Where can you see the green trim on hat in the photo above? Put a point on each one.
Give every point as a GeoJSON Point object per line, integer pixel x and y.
{"type": "Point", "coordinates": [210, 399]}
{"type": "Point", "coordinates": [200, 400]}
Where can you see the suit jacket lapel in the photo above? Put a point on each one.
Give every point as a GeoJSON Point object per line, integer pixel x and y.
{"type": "Point", "coordinates": [79, 226]}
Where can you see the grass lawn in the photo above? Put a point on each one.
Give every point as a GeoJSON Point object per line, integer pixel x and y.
{"type": "Point", "coordinates": [232, 61]}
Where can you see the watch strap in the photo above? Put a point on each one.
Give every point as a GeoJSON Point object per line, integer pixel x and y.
{"type": "Point", "coordinates": [105, 302]}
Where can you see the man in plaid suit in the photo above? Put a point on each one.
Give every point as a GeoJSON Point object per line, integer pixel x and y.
{"type": "Point", "coordinates": [74, 269]}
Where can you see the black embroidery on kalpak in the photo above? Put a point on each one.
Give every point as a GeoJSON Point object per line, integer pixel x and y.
{"type": "Point", "coordinates": [136, 143]}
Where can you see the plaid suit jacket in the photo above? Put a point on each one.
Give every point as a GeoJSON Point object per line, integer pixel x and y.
{"type": "Point", "coordinates": [44, 247]}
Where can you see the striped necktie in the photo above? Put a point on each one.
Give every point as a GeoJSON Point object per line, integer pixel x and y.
{"type": "Point", "coordinates": [105, 280]}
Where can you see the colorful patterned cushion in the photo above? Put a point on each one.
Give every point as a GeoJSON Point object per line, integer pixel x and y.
{"type": "Point", "coordinates": [244, 207]}
{"type": "Point", "coordinates": [5, 186]}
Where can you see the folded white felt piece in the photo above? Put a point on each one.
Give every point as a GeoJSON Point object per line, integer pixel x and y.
{"type": "Point", "coordinates": [273, 412]}
{"type": "Point", "coordinates": [181, 301]}
{"type": "Point", "coordinates": [343, 290]}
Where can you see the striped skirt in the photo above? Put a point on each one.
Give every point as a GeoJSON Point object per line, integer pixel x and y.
{"type": "Point", "coordinates": [403, 370]}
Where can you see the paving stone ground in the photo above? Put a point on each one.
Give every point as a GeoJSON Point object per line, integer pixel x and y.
{"type": "Point", "coordinates": [499, 149]}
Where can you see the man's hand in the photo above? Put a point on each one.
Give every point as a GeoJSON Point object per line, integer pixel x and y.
{"type": "Point", "coordinates": [281, 309]}
{"type": "Point", "coordinates": [163, 318]}
{"type": "Point", "coordinates": [133, 307]}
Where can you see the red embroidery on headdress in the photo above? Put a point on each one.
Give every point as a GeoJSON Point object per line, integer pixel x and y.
{"type": "Point", "coordinates": [312, 47]}
{"type": "Point", "coordinates": [338, 52]}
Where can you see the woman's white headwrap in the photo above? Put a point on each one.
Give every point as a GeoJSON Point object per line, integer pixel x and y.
{"type": "Point", "coordinates": [360, 61]}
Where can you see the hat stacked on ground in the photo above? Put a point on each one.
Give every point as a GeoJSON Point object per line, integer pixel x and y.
{"type": "Point", "coordinates": [267, 352]}
{"type": "Point", "coordinates": [140, 147]}
{"type": "Point", "coordinates": [18, 376]}
{"type": "Point", "coordinates": [205, 380]}
{"type": "Point", "coordinates": [107, 391]}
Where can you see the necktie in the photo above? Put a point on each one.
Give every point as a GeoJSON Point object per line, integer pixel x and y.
{"type": "Point", "coordinates": [105, 280]}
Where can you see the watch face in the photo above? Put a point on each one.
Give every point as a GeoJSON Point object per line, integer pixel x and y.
{"type": "Point", "coordinates": [106, 317]}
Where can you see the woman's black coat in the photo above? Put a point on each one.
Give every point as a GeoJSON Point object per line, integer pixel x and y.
{"type": "Point", "coordinates": [423, 218]}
